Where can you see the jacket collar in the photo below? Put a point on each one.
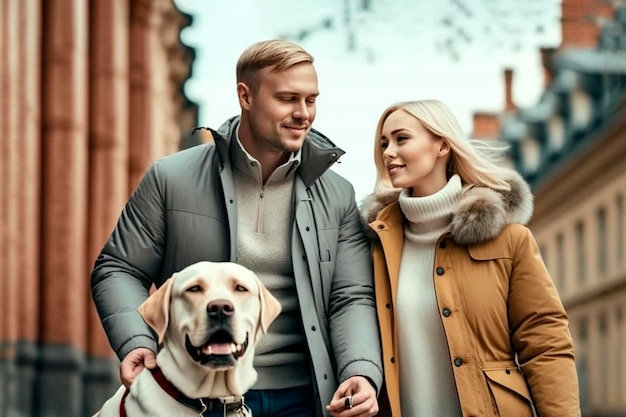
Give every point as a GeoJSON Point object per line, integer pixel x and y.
{"type": "Point", "coordinates": [318, 152]}
{"type": "Point", "coordinates": [481, 215]}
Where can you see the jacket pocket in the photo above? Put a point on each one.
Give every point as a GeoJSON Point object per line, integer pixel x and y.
{"type": "Point", "coordinates": [509, 392]}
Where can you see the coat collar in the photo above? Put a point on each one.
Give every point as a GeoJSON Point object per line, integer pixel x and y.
{"type": "Point", "coordinates": [481, 214]}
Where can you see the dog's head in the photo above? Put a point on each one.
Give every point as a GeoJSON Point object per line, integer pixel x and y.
{"type": "Point", "coordinates": [211, 314]}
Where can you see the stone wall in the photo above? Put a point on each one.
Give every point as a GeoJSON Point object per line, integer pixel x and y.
{"type": "Point", "coordinates": [90, 96]}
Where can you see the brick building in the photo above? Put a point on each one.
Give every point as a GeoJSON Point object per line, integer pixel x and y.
{"type": "Point", "coordinates": [90, 94]}
{"type": "Point", "coordinates": [571, 147]}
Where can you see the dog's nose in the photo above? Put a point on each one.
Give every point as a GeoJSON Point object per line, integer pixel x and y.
{"type": "Point", "coordinates": [220, 308]}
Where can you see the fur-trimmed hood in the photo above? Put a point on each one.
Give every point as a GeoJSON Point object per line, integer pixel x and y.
{"type": "Point", "coordinates": [482, 212]}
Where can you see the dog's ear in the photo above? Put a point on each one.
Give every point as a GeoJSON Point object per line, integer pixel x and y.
{"type": "Point", "coordinates": [270, 308]}
{"type": "Point", "coordinates": [156, 309]}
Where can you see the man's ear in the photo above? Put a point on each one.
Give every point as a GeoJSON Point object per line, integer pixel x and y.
{"type": "Point", "coordinates": [156, 309]}
{"type": "Point", "coordinates": [270, 308]}
{"type": "Point", "coordinates": [243, 94]}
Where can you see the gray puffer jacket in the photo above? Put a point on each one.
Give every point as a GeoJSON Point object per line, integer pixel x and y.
{"type": "Point", "coordinates": [184, 211]}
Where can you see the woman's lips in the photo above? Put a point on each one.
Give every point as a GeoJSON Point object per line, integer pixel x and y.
{"type": "Point", "coordinates": [394, 168]}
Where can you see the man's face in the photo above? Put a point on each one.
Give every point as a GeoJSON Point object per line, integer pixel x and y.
{"type": "Point", "coordinates": [278, 110]}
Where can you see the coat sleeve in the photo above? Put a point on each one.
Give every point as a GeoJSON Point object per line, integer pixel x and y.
{"type": "Point", "coordinates": [128, 265]}
{"type": "Point", "coordinates": [540, 333]}
{"type": "Point", "coordinates": [352, 309]}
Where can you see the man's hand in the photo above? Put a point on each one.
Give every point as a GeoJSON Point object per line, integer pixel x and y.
{"type": "Point", "coordinates": [134, 363]}
{"type": "Point", "coordinates": [354, 397]}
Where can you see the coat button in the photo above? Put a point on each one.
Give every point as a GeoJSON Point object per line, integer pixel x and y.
{"type": "Point", "coordinates": [443, 244]}
{"type": "Point", "coordinates": [458, 362]}
{"type": "Point", "coordinates": [439, 270]}
{"type": "Point", "coordinates": [393, 360]}
{"type": "Point", "coordinates": [388, 305]}
{"type": "Point", "coordinates": [446, 312]}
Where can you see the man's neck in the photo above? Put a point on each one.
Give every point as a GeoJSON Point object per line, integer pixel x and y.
{"type": "Point", "coordinates": [269, 160]}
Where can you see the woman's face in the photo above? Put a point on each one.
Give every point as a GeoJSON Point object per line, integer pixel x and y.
{"type": "Point", "coordinates": [414, 157]}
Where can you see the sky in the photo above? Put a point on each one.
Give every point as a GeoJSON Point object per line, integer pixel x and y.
{"type": "Point", "coordinates": [372, 53]}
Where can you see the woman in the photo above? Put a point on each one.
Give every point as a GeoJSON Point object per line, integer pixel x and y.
{"type": "Point", "coordinates": [471, 322]}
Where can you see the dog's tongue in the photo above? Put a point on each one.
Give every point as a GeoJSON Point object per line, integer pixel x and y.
{"type": "Point", "coordinates": [217, 349]}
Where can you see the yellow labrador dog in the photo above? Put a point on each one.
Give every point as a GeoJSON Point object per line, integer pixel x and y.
{"type": "Point", "coordinates": [208, 318]}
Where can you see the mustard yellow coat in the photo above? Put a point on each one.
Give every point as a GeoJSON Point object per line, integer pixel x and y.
{"type": "Point", "coordinates": [497, 301]}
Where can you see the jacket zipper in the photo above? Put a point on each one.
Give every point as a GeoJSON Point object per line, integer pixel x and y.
{"type": "Point", "coordinates": [259, 219]}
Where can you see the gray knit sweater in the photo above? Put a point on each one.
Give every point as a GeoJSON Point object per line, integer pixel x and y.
{"type": "Point", "coordinates": [263, 245]}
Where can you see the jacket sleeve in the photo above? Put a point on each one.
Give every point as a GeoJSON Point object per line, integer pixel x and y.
{"type": "Point", "coordinates": [128, 265]}
{"type": "Point", "coordinates": [540, 333]}
{"type": "Point", "coordinates": [352, 309]}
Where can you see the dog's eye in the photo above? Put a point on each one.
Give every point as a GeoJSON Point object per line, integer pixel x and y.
{"type": "Point", "coordinates": [241, 288]}
{"type": "Point", "coordinates": [195, 288]}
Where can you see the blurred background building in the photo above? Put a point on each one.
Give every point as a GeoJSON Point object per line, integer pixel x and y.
{"type": "Point", "coordinates": [90, 94]}
{"type": "Point", "coordinates": [571, 147]}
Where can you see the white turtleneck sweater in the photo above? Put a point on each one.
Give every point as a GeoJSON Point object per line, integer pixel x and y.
{"type": "Point", "coordinates": [426, 380]}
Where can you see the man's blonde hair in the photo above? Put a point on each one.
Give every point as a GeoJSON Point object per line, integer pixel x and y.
{"type": "Point", "coordinates": [277, 53]}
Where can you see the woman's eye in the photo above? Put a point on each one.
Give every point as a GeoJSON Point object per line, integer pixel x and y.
{"type": "Point", "coordinates": [195, 288]}
{"type": "Point", "coordinates": [401, 138]}
{"type": "Point", "coordinates": [384, 145]}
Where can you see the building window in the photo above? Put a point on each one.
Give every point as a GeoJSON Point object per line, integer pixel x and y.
{"type": "Point", "coordinates": [583, 329]}
{"type": "Point", "coordinates": [602, 324]}
{"type": "Point", "coordinates": [601, 245]}
{"type": "Point", "coordinates": [580, 251]}
{"type": "Point", "coordinates": [556, 133]}
{"type": "Point", "coordinates": [582, 110]}
{"type": "Point", "coordinates": [619, 346]}
{"type": "Point", "coordinates": [603, 354]}
{"type": "Point", "coordinates": [560, 264]}
{"type": "Point", "coordinates": [531, 154]}
{"type": "Point", "coordinates": [620, 228]}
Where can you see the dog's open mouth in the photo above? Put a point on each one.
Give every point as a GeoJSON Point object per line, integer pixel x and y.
{"type": "Point", "coordinates": [220, 350]}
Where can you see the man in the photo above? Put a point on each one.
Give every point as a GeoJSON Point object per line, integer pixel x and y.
{"type": "Point", "coordinates": [261, 195]}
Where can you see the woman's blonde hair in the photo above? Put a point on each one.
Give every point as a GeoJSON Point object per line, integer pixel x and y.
{"type": "Point", "coordinates": [475, 161]}
{"type": "Point", "coordinates": [277, 53]}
